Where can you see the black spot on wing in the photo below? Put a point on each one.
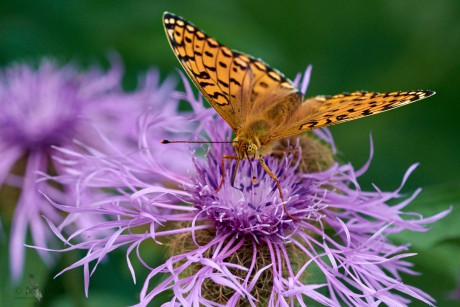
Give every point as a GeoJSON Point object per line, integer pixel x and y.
{"type": "Point", "coordinates": [233, 80]}
{"type": "Point", "coordinates": [185, 58]}
{"type": "Point", "coordinates": [310, 124]}
{"type": "Point", "coordinates": [203, 75]}
{"type": "Point", "coordinates": [223, 83]}
{"type": "Point", "coordinates": [387, 107]}
{"type": "Point", "coordinates": [209, 68]}
{"type": "Point", "coordinates": [203, 84]}
{"type": "Point", "coordinates": [216, 96]}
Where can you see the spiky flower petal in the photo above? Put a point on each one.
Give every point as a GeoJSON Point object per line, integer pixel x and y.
{"type": "Point", "coordinates": [49, 105]}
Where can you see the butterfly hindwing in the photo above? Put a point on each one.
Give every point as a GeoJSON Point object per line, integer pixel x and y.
{"type": "Point", "coordinates": [322, 111]}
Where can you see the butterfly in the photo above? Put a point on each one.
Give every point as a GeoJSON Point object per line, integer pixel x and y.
{"type": "Point", "coordinates": [258, 102]}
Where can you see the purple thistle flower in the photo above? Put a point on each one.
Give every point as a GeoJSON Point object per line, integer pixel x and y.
{"type": "Point", "coordinates": [47, 106]}
{"type": "Point", "coordinates": [237, 245]}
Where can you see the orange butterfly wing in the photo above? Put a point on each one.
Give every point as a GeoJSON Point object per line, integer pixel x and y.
{"type": "Point", "coordinates": [322, 111]}
{"type": "Point", "coordinates": [236, 85]}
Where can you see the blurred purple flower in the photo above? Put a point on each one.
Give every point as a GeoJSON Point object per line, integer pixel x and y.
{"type": "Point", "coordinates": [237, 245]}
{"type": "Point", "coordinates": [47, 106]}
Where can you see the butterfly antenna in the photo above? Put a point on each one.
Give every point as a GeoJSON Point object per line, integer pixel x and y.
{"type": "Point", "coordinates": [194, 142]}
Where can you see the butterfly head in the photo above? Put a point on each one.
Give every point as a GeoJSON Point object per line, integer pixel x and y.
{"type": "Point", "coordinates": [245, 147]}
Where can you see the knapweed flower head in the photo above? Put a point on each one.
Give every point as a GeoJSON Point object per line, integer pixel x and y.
{"type": "Point", "coordinates": [47, 105]}
{"type": "Point", "coordinates": [237, 245]}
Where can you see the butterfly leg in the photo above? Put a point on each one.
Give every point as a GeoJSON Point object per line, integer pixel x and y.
{"type": "Point", "coordinates": [223, 170]}
{"type": "Point", "coordinates": [274, 177]}
{"type": "Point", "coordinates": [278, 185]}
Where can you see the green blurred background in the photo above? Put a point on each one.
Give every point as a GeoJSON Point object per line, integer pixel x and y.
{"type": "Point", "coordinates": [384, 45]}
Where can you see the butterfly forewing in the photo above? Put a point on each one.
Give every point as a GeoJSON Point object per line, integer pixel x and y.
{"type": "Point", "coordinates": [322, 111]}
{"type": "Point", "coordinates": [238, 86]}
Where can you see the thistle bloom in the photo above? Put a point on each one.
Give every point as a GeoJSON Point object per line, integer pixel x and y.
{"type": "Point", "coordinates": [48, 106]}
{"type": "Point", "coordinates": [237, 245]}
